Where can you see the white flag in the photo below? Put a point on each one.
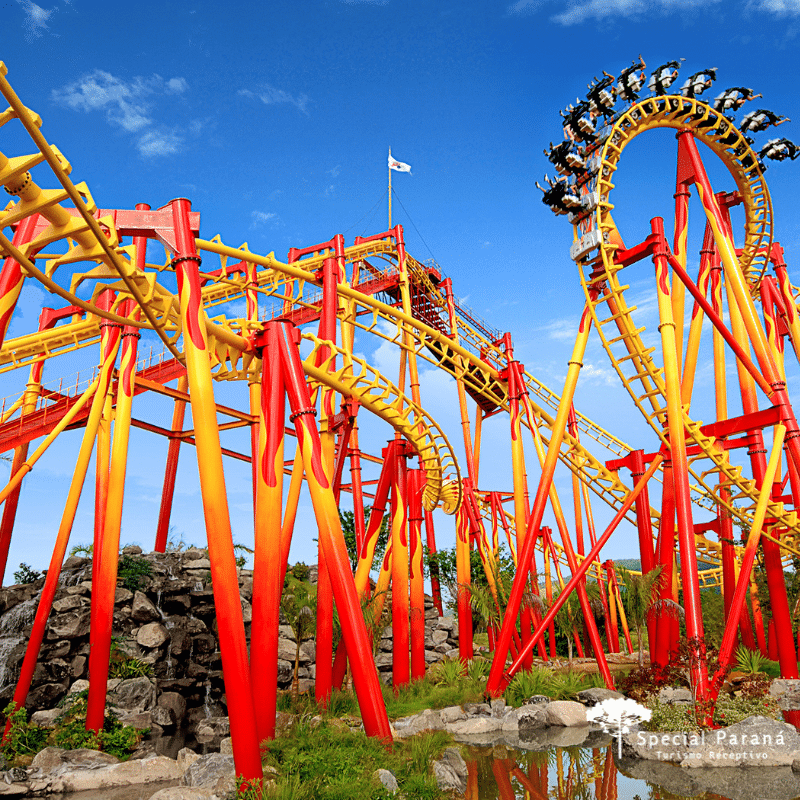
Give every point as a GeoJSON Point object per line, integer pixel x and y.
{"type": "Point", "coordinates": [399, 165]}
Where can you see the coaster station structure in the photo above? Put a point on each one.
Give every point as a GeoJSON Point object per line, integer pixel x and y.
{"type": "Point", "coordinates": [747, 282]}
{"type": "Point", "coordinates": [325, 298]}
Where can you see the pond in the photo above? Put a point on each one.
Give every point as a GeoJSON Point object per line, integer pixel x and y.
{"type": "Point", "coordinates": [583, 773]}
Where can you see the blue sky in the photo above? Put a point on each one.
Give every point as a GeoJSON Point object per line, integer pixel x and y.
{"type": "Point", "coordinates": [275, 119]}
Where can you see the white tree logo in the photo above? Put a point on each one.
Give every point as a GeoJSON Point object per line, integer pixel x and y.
{"type": "Point", "coordinates": [616, 716]}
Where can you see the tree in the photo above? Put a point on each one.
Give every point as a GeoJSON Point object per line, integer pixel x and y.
{"type": "Point", "coordinates": [565, 619]}
{"type": "Point", "coordinates": [347, 518]}
{"type": "Point", "coordinates": [298, 604]}
{"type": "Point", "coordinates": [641, 599]}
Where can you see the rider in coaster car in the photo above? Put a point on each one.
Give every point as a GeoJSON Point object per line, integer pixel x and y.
{"type": "Point", "coordinates": [699, 82]}
{"type": "Point", "coordinates": [663, 77]}
{"type": "Point", "coordinates": [733, 99]}
{"type": "Point", "coordinates": [760, 120]}
{"type": "Point", "coordinates": [561, 197]}
{"type": "Point", "coordinates": [567, 158]}
{"type": "Point", "coordinates": [779, 150]}
{"type": "Point", "coordinates": [602, 96]}
{"type": "Point", "coordinates": [630, 81]}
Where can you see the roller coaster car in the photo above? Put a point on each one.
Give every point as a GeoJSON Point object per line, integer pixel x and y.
{"type": "Point", "coordinates": [559, 196]}
{"type": "Point", "coordinates": [602, 95]}
{"type": "Point", "coordinates": [629, 83]}
{"type": "Point", "coordinates": [567, 158]}
{"type": "Point", "coordinates": [760, 120]}
{"type": "Point", "coordinates": [779, 150]}
{"type": "Point", "coordinates": [663, 77]}
{"type": "Point", "coordinates": [696, 84]}
{"type": "Point", "coordinates": [581, 123]}
{"type": "Point", "coordinates": [733, 99]}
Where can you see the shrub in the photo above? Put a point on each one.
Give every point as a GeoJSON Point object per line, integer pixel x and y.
{"type": "Point", "coordinates": [23, 738]}
{"type": "Point", "coordinates": [27, 575]}
{"type": "Point", "coordinates": [133, 572]}
{"type": "Point", "coordinates": [749, 661]}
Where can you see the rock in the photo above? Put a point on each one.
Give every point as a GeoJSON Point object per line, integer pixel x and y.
{"type": "Point", "coordinates": [45, 696]}
{"type": "Point", "coordinates": [194, 553]}
{"type": "Point", "coordinates": [47, 718]}
{"type": "Point", "coordinates": [213, 728]}
{"type": "Point", "coordinates": [183, 793]}
{"type": "Point", "coordinates": [163, 717]}
{"type": "Point", "coordinates": [146, 770]}
{"type": "Point", "coordinates": [498, 707]}
{"type": "Point", "coordinates": [213, 771]}
{"type": "Point", "coordinates": [68, 603]}
{"type": "Point", "coordinates": [133, 694]}
{"type": "Point", "coordinates": [566, 713]}
{"type": "Point", "coordinates": [756, 741]}
{"type": "Point", "coordinates": [452, 714]}
{"type": "Point", "coordinates": [74, 563]}
{"type": "Point", "coordinates": [528, 719]}
{"type": "Point", "coordinates": [475, 726]}
{"type": "Point", "coordinates": [428, 720]}
{"type": "Point", "coordinates": [143, 610]}
{"type": "Point", "coordinates": [478, 709]}
{"type": "Point", "coordinates": [122, 595]}
{"type": "Point", "coordinates": [447, 623]}
{"type": "Point", "coordinates": [450, 771]}
{"type": "Point", "coordinates": [49, 758]}
{"type": "Point", "coordinates": [536, 699]}
{"type": "Point", "coordinates": [13, 790]}
{"type": "Point", "coordinates": [81, 758]}
{"type": "Point", "coordinates": [591, 697]}
{"type": "Point", "coordinates": [72, 625]}
{"type": "Point", "coordinates": [675, 696]}
{"type": "Point", "coordinates": [226, 746]}
{"type": "Point", "coordinates": [186, 757]}
{"type": "Point", "coordinates": [152, 635]}
{"type": "Point", "coordinates": [387, 779]}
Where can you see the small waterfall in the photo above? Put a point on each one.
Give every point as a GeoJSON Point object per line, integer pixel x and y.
{"type": "Point", "coordinates": [7, 645]}
{"type": "Point", "coordinates": [170, 668]}
{"type": "Point", "coordinates": [207, 701]}
{"type": "Point", "coordinates": [16, 620]}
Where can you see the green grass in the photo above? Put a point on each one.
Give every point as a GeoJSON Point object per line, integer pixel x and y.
{"type": "Point", "coordinates": [328, 762]}
{"type": "Point", "coordinates": [558, 685]}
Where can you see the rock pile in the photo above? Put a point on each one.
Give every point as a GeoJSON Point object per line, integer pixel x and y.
{"type": "Point", "coordinates": [169, 623]}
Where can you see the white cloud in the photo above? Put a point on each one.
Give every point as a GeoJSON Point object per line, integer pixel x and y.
{"type": "Point", "coordinates": [336, 171]}
{"type": "Point", "coordinates": [122, 101]}
{"type": "Point", "coordinates": [176, 86]}
{"type": "Point", "coordinates": [269, 96]}
{"type": "Point", "coordinates": [782, 8]}
{"type": "Point", "coordinates": [159, 143]}
{"type": "Point", "coordinates": [261, 218]}
{"type": "Point", "coordinates": [36, 18]}
{"type": "Point", "coordinates": [578, 11]}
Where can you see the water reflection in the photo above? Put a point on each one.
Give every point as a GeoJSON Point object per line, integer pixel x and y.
{"type": "Point", "coordinates": [575, 773]}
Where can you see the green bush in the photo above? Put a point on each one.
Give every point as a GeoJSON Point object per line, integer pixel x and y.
{"type": "Point", "coordinates": [23, 738]}
{"type": "Point", "coordinates": [133, 572]}
{"type": "Point", "coordinates": [27, 575]}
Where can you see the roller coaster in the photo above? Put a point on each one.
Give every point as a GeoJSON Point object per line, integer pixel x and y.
{"type": "Point", "coordinates": [323, 300]}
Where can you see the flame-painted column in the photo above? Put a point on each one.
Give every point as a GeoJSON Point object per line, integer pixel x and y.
{"type": "Point", "coordinates": [415, 479]}
{"type": "Point", "coordinates": [400, 607]}
{"type": "Point", "coordinates": [233, 647]}
{"type": "Point", "coordinates": [105, 586]}
{"type": "Point", "coordinates": [354, 632]}
{"type": "Point", "coordinates": [11, 277]}
{"type": "Point", "coordinates": [171, 471]}
{"type": "Point", "coordinates": [109, 347]}
{"type": "Point", "coordinates": [268, 569]}
{"type": "Point", "coordinates": [463, 580]}
{"type": "Point", "coordinates": [680, 474]}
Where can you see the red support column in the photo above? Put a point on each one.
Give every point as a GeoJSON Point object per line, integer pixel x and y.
{"type": "Point", "coordinates": [233, 647]}
{"type": "Point", "coordinates": [416, 483]}
{"type": "Point", "coordinates": [400, 607]}
{"type": "Point", "coordinates": [354, 632]}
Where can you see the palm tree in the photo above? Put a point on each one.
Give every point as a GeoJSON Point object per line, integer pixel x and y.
{"type": "Point", "coordinates": [641, 599]}
{"type": "Point", "coordinates": [298, 604]}
{"type": "Point", "coordinates": [565, 618]}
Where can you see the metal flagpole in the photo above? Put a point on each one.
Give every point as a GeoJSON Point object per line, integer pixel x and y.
{"type": "Point", "coordinates": [390, 189]}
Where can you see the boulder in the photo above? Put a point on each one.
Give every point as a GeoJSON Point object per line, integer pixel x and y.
{"type": "Point", "coordinates": [68, 603]}
{"type": "Point", "coordinates": [527, 719]}
{"type": "Point", "coordinates": [213, 771]}
{"type": "Point", "coordinates": [183, 793]}
{"type": "Point", "coordinates": [175, 703]}
{"type": "Point", "coordinates": [566, 713]}
{"type": "Point", "coordinates": [591, 697]}
{"type": "Point", "coordinates": [387, 779]}
{"type": "Point", "coordinates": [152, 635]}
{"type": "Point", "coordinates": [450, 771]}
{"type": "Point", "coordinates": [474, 726]}
{"type": "Point", "coordinates": [133, 694]}
{"type": "Point", "coordinates": [186, 757]}
{"type": "Point", "coordinates": [675, 696]}
{"type": "Point", "coordinates": [452, 714]}
{"type": "Point", "coordinates": [536, 699]}
{"type": "Point", "coordinates": [143, 610]}
{"type": "Point", "coordinates": [213, 728]}
{"type": "Point", "coordinates": [46, 718]}
{"type": "Point", "coordinates": [122, 595]}
{"type": "Point", "coordinates": [146, 770]}
{"type": "Point", "coordinates": [428, 720]}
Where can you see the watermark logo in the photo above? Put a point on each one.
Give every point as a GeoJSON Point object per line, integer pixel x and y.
{"type": "Point", "coordinates": [617, 716]}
